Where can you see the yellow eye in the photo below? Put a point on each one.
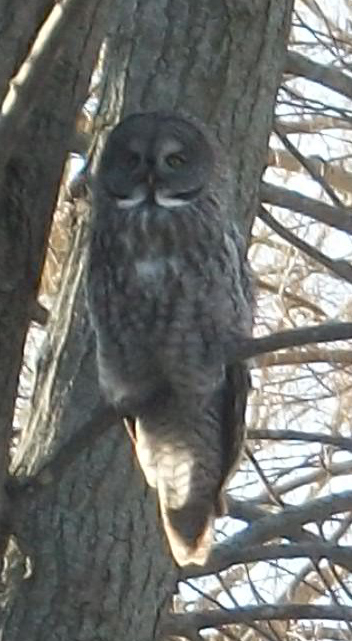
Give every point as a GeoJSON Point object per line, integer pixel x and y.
{"type": "Point", "coordinates": [175, 160]}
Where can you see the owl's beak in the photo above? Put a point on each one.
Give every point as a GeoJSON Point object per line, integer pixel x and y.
{"type": "Point", "coordinates": [150, 180]}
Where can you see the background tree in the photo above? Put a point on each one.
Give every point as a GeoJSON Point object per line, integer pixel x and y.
{"type": "Point", "coordinates": [87, 559]}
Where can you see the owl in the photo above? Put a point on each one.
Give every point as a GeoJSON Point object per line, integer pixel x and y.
{"type": "Point", "coordinates": [168, 287]}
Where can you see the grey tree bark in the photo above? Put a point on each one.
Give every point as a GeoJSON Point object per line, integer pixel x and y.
{"type": "Point", "coordinates": [100, 567]}
{"type": "Point", "coordinates": [30, 173]}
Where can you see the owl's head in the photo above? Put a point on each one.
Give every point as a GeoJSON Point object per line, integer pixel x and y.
{"type": "Point", "coordinates": [157, 158]}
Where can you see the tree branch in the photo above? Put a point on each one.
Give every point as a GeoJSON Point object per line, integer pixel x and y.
{"type": "Point", "coordinates": [308, 166]}
{"type": "Point", "coordinates": [272, 526]}
{"type": "Point", "coordinates": [334, 174]}
{"type": "Point", "coordinates": [337, 217]}
{"type": "Point", "coordinates": [317, 550]}
{"type": "Point", "coordinates": [340, 442]}
{"type": "Point", "coordinates": [341, 356]}
{"type": "Point", "coordinates": [319, 475]}
{"type": "Point", "coordinates": [313, 124]}
{"type": "Point", "coordinates": [293, 299]}
{"type": "Point", "coordinates": [326, 332]}
{"type": "Point", "coordinates": [340, 268]}
{"type": "Point", "coordinates": [182, 624]}
{"type": "Point", "coordinates": [330, 77]}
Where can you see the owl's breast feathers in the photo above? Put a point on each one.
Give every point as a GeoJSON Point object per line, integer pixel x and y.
{"type": "Point", "coordinates": [166, 292]}
{"type": "Point", "coordinates": [164, 273]}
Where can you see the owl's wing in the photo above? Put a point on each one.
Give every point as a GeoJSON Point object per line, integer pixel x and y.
{"type": "Point", "coordinates": [241, 266]}
{"type": "Point", "coordinates": [233, 428]}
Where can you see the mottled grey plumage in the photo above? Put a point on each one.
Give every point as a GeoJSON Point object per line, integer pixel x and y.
{"type": "Point", "coordinates": [168, 288]}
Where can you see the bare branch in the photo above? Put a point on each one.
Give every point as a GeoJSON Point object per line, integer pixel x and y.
{"type": "Point", "coordinates": [294, 299]}
{"type": "Point", "coordinates": [308, 166]}
{"type": "Point", "coordinates": [315, 124]}
{"type": "Point", "coordinates": [326, 332]}
{"type": "Point", "coordinates": [318, 475]}
{"type": "Point", "coordinates": [270, 490]}
{"type": "Point", "coordinates": [287, 522]}
{"type": "Point", "coordinates": [340, 442]}
{"type": "Point", "coordinates": [316, 551]}
{"type": "Point", "coordinates": [335, 175]}
{"type": "Point", "coordinates": [337, 217]}
{"type": "Point", "coordinates": [325, 632]}
{"type": "Point", "coordinates": [330, 77]}
{"type": "Point", "coordinates": [180, 624]}
{"type": "Point", "coordinates": [340, 268]}
{"type": "Point", "coordinates": [343, 356]}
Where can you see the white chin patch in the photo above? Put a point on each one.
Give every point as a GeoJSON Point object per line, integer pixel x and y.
{"type": "Point", "coordinates": [128, 203]}
{"type": "Point", "coordinates": [168, 201]}
{"type": "Point", "coordinates": [161, 199]}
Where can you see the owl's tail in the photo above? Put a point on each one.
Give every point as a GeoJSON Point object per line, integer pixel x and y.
{"type": "Point", "coordinates": [189, 531]}
{"type": "Point", "coordinates": [186, 489]}
{"type": "Point", "coordinates": [186, 497]}
{"type": "Point", "coordinates": [186, 453]}
{"type": "Point", "coordinates": [188, 515]}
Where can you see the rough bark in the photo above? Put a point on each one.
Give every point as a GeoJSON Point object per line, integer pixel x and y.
{"type": "Point", "coordinates": [28, 189]}
{"type": "Point", "coordinates": [19, 24]}
{"type": "Point", "coordinates": [101, 568]}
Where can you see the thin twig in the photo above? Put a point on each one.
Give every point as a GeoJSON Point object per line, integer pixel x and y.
{"type": "Point", "coordinates": [341, 442]}
{"type": "Point", "coordinates": [309, 166]}
{"type": "Point", "coordinates": [341, 268]}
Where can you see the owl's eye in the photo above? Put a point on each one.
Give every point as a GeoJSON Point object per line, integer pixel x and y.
{"type": "Point", "coordinates": [175, 160]}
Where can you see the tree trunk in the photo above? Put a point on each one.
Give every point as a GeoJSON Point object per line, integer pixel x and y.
{"type": "Point", "coordinates": [100, 566]}
{"type": "Point", "coordinates": [30, 175]}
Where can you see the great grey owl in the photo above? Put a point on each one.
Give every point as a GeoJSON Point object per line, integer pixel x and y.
{"type": "Point", "coordinates": [168, 289]}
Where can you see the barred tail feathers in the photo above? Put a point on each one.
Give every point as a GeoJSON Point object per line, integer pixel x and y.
{"type": "Point", "coordinates": [187, 547]}
{"type": "Point", "coordinates": [187, 510]}
{"type": "Point", "coordinates": [186, 507]}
